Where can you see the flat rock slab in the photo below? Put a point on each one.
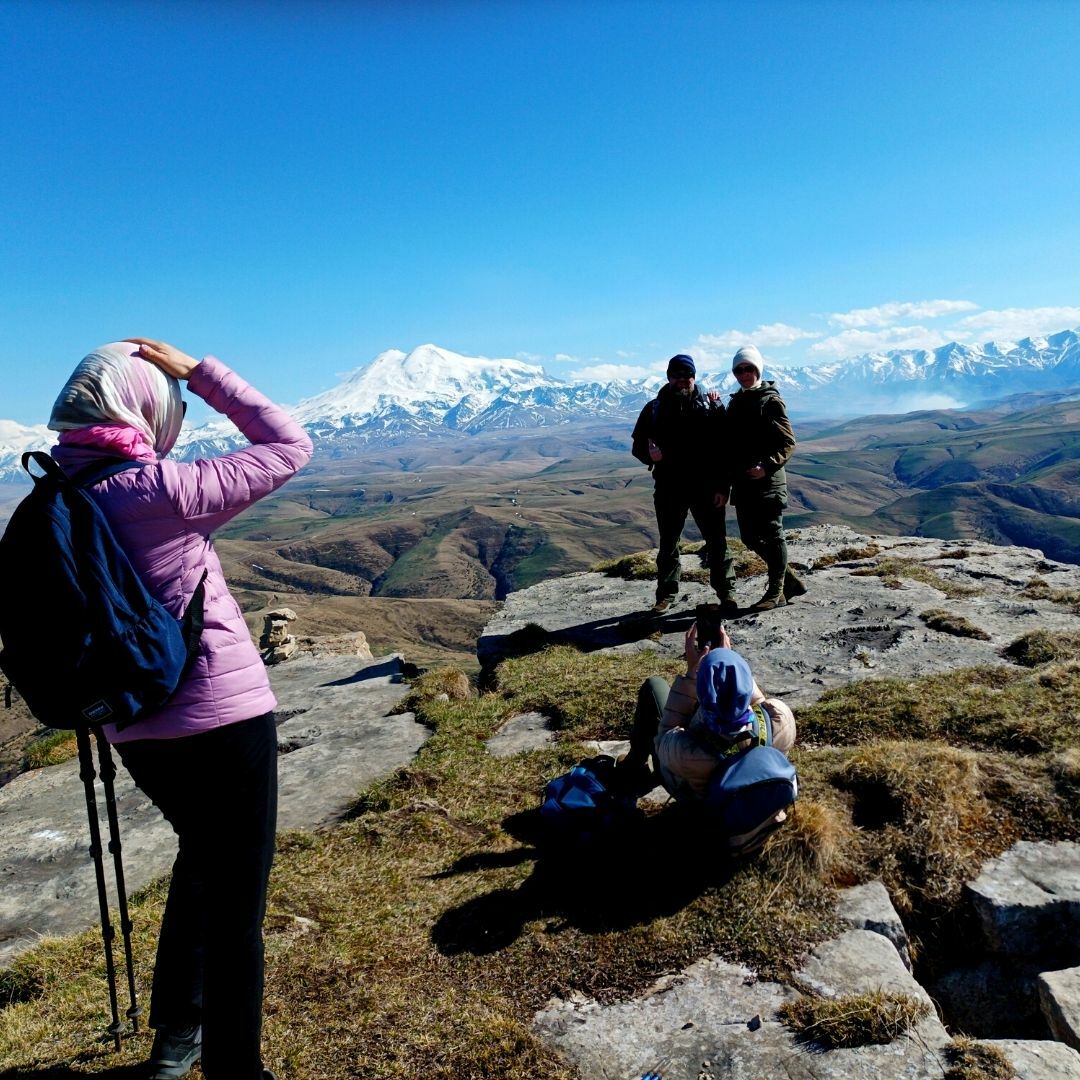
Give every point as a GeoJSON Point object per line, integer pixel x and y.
{"type": "Point", "coordinates": [1059, 996]}
{"type": "Point", "coordinates": [716, 1020]}
{"type": "Point", "coordinates": [334, 737]}
{"type": "Point", "coordinates": [1028, 900]}
{"type": "Point", "coordinates": [521, 732]}
{"type": "Point", "coordinates": [846, 627]}
{"type": "Point", "coordinates": [868, 907]}
{"type": "Point", "coordinates": [1034, 1059]}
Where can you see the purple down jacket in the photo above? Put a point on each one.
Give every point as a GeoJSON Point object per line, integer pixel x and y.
{"type": "Point", "coordinates": [163, 515]}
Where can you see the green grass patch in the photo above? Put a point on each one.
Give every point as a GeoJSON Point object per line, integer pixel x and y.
{"type": "Point", "coordinates": [994, 708]}
{"type": "Point", "coordinates": [588, 695]}
{"type": "Point", "coordinates": [50, 749]}
{"type": "Point", "coordinates": [875, 1017]}
{"type": "Point", "coordinates": [947, 622]}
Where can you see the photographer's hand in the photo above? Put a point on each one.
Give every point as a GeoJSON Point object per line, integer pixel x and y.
{"type": "Point", "coordinates": [692, 651]}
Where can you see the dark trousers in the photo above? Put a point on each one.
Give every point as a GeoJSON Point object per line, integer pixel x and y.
{"type": "Point", "coordinates": [672, 505]}
{"type": "Point", "coordinates": [218, 790]}
{"type": "Point", "coordinates": [761, 527]}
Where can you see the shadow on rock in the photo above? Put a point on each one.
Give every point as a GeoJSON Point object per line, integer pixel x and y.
{"type": "Point", "coordinates": [386, 669]}
{"type": "Point", "coordinates": [652, 869]}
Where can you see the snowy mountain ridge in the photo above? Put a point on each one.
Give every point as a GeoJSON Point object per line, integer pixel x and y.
{"type": "Point", "coordinates": [433, 390]}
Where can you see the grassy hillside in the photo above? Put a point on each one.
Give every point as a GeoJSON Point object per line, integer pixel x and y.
{"type": "Point", "coordinates": [419, 937]}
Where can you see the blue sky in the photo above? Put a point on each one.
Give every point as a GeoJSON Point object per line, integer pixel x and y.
{"type": "Point", "coordinates": [297, 187]}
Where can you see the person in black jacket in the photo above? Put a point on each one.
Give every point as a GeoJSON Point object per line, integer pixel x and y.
{"type": "Point", "coordinates": [759, 441]}
{"type": "Point", "coordinates": [678, 435]}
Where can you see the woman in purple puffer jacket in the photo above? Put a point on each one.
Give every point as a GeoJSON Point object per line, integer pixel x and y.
{"type": "Point", "coordinates": [208, 758]}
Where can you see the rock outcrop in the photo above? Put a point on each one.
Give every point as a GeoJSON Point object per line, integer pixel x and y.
{"type": "Point", "coordinates": [876, 606]}
{"type": "Point", "coordinates": [335, 735]}
{"type": "Point", "coordinates": [860, 618]}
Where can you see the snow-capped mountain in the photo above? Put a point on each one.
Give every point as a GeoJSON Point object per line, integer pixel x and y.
{"type": "Point", "coordinates": [435, 391]}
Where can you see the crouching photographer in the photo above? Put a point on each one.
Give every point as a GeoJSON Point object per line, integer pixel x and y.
{"type": "Point", "coordinates": [704, 735]}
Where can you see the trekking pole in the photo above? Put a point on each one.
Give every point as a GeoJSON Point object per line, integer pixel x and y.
{"type": "Point", "coordinates": [87, 774]}
{"type": "Point", "coordinates": [107, 770]}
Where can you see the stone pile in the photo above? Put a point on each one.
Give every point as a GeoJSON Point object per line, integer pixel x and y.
{"type": "Point", "coordinates": [276, 643]}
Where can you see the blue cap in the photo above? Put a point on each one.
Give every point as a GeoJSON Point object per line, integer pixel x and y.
{"type": "Point", "coordinates": [724, 687]}
{"type": "Point", "coordinates": [681, 362]}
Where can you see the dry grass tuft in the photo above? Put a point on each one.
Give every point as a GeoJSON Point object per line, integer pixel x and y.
{"type": "Point", "coordinates": [1043, 647]}
{"type": "Point", "coordinates": [451, 681]}
{"type": "Point", "coordinates": [1039, 588]}
{"type": "Point", "coordinates": [971, 1060]}
{"type": "Point", "coordinates": [641, 566]}
{"type": "Point", "coordinates": [50, 749]}
{"type": "Point", "coordinates": [847, 554]}
{"type": "Point", "coordinates": [875, 1017]}
{"type": "Point", "coordinates": [927, 821]}
{"type": "Point", "coordinates": [893, 570]}
{"type": "Point", "coordinates": [815, 844]}
{"type": "Point", "coordinates": [947, 622]}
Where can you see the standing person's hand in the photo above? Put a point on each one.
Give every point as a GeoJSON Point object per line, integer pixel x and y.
{"type": "Point", "coordinates": [756, 472]}
{"type": "Point", "coordinates": [166, 357]}
{"type": "Point", "coordinates": [693, 652]}
{"type": "Point", "coordinates": [655, 452]}
{"type": "Point", "coordinates": [719, 500]}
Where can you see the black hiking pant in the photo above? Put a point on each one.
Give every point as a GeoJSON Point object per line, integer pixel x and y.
{"type": "Point", "coordinates": [218, 790]}
{"type": "Point", "coordinates": [672, 504]}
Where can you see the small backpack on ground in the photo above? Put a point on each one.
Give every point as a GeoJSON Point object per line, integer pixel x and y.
{"type": "Point", "coordinates": [582, 805]}
{"type": "Point", "coordinates": [83, 640]}
{"type": "Point", "coordinates": [750, 796]}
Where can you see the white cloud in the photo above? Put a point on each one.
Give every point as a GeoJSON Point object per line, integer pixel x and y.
{"type": "Point", "coordinates": [532, 358]}
{"type": "Point", "coordinates": [892, 312]}
{"type": "Point", "coordinates": [856, 342]}
{"type": "Point", "coordinates": [566, 358]}
{"type": "Point", "coordinates": [1012, 324]}
{"type": "Point", "coordinates": [604, 373]}
{"type": "Point", "coordinates": [625, 355]}
{"type": "Point", "coordinates": [762, 337]}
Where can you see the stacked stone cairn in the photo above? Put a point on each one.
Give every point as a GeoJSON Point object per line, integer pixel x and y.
{"type": "Point", "coordinates": [276, 643]}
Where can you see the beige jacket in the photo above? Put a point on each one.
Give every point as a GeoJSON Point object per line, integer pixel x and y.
{"type": "Point", "coordinates": [685, 763]}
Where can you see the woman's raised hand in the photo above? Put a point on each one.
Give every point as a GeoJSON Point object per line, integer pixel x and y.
{"type": "Point", "coordinates": [167, 357]}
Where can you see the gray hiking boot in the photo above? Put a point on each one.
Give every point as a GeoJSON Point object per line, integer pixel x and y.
{"type": "Point", "coordinates": [793, 586]}
{"type": "Point", "coordinates": [174, 1053]}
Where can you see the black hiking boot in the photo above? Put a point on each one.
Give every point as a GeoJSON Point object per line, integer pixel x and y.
{"type": "Point", "coordinates": [174, 1053]}
{"type": "Point", "coordinates": [633, 778]}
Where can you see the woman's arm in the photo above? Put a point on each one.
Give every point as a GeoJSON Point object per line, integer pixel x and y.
{"type": "Point", "coordinates": [210, 491]}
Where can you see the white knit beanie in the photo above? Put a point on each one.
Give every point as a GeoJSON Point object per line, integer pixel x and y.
{"type": "Point", "coordinates": [749, 354]}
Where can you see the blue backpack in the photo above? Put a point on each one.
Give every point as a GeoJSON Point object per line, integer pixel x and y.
{"type": "Point", "coordinates": [580, 806]}
{"type": "Point", "coordinates": [83, 641]}
{"type": "Point", "coordinates": [749, 794]}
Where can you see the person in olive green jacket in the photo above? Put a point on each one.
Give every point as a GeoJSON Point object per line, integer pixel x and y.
{"type": "Point", "coordinates": [759, 441]}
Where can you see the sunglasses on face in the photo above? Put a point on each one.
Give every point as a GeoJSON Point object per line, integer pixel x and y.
{"type": "Point", "coordinates": [743, 369]}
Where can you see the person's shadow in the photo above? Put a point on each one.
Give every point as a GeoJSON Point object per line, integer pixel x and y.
{"type": "Point", "coordinates": [655, 867]}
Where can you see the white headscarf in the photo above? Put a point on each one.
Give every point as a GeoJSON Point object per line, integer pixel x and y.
{"type": "Point", "coordinates": [113, 386]}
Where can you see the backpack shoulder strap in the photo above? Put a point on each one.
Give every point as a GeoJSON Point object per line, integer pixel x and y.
{"type": "Point", "coordinates": [85, 477]}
